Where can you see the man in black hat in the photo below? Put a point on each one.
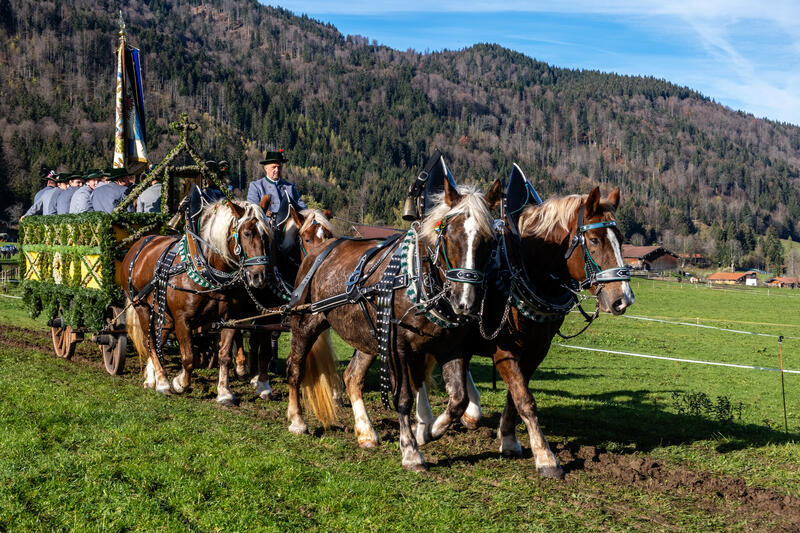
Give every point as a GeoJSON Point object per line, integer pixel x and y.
{"type": "Point", "coordinates": [50, 203]}
{"type": "Point", "coordinates": [82, 199]}
{"type": "Point", "coordinates": [38, 203]}
{"type": "Point", "coordinates": [105, 198]}
{"type": "Point", "coordinates": [64, 199]}
{"type": "Point", "coordinates": [211, 190]}
{"type": "Point", "coordinates": [279, 190]}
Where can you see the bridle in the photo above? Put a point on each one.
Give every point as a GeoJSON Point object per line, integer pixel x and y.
{"type": "Point", "coordinates": [456, 275]}
{"type": "Point", "coordinates": [594, 275]}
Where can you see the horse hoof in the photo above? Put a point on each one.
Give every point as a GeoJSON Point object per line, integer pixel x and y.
{"type": "Point", "coordinates": [512, 450]}
{"type": "Point", "coordinates": [266, 395]}
{"type": "Point", "coordinates": [298, 429]}
{"type": "Point", "coordinates": [177, 388]}
{"type": "Point", "coordinates": [469, 422]}
{"type": "Point", "coordinates": [369, 443]}
{"type": "Point", "coordinates": [228, 401]}
{"type": "Point", "coordinates": [241, 373]}
{"type": "Point", "coordinates": [149, 385]}
{"type": "Point", "coordinates": [551, 472]}
{"type": "Point", "coordinates": [416, 465]}
{"type": "Point", "coordinates": [165, 390]}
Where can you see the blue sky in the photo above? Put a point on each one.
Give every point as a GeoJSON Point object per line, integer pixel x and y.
{"type": "Point", "coordinates": [745, 55]}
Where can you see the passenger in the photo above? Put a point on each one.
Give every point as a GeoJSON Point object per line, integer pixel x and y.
{"type": "Point", "coordinates": [82, 199]}
{"type": "Point", "coordinates": [105, 198]}
{"type": "Point", "coordinates": [149, 200]}
{"type": "Point", "coordinates": [50, 206]}
{"type": "Point", "coordinates": [211, 190]}
{"type": "Point", "coordinates": [273, 185]}
{"type": "Point", "coordinates": [64, 199]}
{"type": "Point", "coordinates": [38, 200]}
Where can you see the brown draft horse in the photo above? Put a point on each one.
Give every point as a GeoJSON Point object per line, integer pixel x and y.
{"type": "Point", "coordinates": [300, 232]}
{"type": "Point", "coordinates": [237, 242]}
{"type": "Point", "coordinates": [543, 263]}
{"type": "Point", "coordinates": [459, 237]}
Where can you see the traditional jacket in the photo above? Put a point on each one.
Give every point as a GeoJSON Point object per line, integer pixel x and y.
{"type": "Point", "coordinates": [38, 207]}
{"type": "Point", "coordinates": [106, 197]}
{"type": "Point", "coordinates": [281, 189]}
{"type": "Point", "coordinates": [50, 201]}
{"type": "Point", "coordinates": [64, 199]}
{"type": "Point", "coordinates": [82, 200]}
{"type": "Point", "coordinates": [150, 200]}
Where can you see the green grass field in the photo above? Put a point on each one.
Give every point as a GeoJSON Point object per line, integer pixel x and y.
{"type": "Point", "coordinates": [81, 450]}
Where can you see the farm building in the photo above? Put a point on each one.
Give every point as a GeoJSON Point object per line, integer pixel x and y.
{"type": "Point", "coordinates": [733, 278]}
{"type": "Point", "coordinates": [373, 232]}
{"type": "Point", "coordinates": [784, 282]}
{"type": "Point", "coordinates": [651, 258]}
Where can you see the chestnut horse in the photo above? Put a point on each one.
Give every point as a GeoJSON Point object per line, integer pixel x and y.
{"type": "Point", "coordinates": [542, 271]}
{"type": "Point", "coordinates": [300, 232]}
{"type": "Point", "coordinates": [183, 283]}
{"type": "Point", "coordinates": [443, 262]}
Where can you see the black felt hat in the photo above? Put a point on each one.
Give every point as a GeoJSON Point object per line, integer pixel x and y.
{"type": "Point", "coordinates": [273, 157]}
{"type": "Point", "coordinates": [49, 175]}
{"type": "Point", "coordinates": [116, 173]}
{"type": "Point", "coordinates": [93, 173]}
{"type": "Point", "coordinates": [62, 177]}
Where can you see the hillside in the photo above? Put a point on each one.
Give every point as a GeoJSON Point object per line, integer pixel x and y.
{"type": "Point", "coordinates": [357, 119]}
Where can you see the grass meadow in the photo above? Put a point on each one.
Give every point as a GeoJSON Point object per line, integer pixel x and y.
{"type": "Point", "coordinates": [82, 450]}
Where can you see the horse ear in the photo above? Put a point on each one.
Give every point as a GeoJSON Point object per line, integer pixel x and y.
{"type": "Point", "coordinates": [327, 214]}
{"type": "Point", "coordinates": [451, 194]}
{"type": "Point", "coordinates": [593, 202]}
{"type": "Point", "coordinates": [495, 194]}
{"type": "Point", "coordinates": [238, 211]}
{"type": "Point", "coordinates": [297, 217]}
{"type": "Point", "coordinates": [264, 202]}
{"type": "Point", "coordinates": [613, 198]}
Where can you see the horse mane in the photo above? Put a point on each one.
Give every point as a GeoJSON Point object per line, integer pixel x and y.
{"type": "Point", "coordinates": [216, 220]}
{"type": "Point", "coordinates": [314, 215]}
{"type": "Point", "coordinates": [552, 215]}
{"type": "Point", "coordinates": [472, 204]}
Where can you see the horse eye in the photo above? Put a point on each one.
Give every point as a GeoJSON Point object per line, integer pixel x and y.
{"type": "Point", "coordinates": [248, 233]}
{"type": "Point", "coordinates": [594, 241]}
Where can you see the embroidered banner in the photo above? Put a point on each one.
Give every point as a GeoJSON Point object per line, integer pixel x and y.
{"type": "Point", "coordinates": [130, 137]}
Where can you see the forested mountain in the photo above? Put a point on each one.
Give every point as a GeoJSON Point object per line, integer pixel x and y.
{"type": "Point", "coordinates": [357, 119]}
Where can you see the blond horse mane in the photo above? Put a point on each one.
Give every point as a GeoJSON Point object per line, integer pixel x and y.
{"type": "Point", "coordinates": [215, 224]}
{"type": "Point", "coordinates": [549, 217]}
{"type": "Point", "coordinates": [472, 204]}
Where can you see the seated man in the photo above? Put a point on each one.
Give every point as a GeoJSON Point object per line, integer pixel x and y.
{"type": "Point", "coordinates": [278, 189]}
{"type": "Point", "coordinates": [105, 198]}
{"type": "Point", "coordinates": [38, 200]}
{"type": "Point", "coordinates": [82, 199]}
{"type": "Point", "coordinates": [150, 199]}
{"type": "Point", "coordinates": [65, 198]}
{"type": "Point", "coordinates": [50, 203]}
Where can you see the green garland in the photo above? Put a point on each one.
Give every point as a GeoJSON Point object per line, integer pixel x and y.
{"type": "Point", "coordinates": [74, 237]}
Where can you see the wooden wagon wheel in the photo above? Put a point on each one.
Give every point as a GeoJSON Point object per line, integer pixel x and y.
{"type": "Point", "coordinates": [64, 338]}
{"type": "Point", "coordinates": [114, 346]}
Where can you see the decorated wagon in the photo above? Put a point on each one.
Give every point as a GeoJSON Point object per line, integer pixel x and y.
{"type": "Point", "coordinates": [73, 263]}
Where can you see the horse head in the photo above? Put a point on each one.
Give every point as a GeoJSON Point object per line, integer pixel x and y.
{"type": "Point", "coordinates": [305, 230]}
{"type": "Point", "coordinates": [459, 230]}
{"type": "Point", "coordinates": [238, 233]}
{"type": "Point", "coordinates": [594, 255]}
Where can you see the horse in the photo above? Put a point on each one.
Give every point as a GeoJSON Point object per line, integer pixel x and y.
{"type": "Point", "coordinates": [433, 282]}
{"type": "Point", "coordinates": [299, 232]}
{"type": "Point", "coordinates": [184, 283]}
{"type": "Point", "coordinates": [544, 274]}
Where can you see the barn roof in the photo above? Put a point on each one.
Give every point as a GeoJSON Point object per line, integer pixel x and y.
{"type": "Point", "coordinates": [784, 279]}
{"type": "Point", "coordinates": [729, 276]}
{"type": "Point", "coordinates": [644, 252]}
{"type": "Point", "coordinates": [374, 232]}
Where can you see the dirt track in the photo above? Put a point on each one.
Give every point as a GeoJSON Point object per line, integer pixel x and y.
{"type": "Point", "coordinates": [751, 505]}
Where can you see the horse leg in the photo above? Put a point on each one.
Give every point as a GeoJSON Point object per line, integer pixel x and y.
{"type": "Point", "coordinates": [183, 380]}
{"type": "Point", "coordinates": [473, 413]}
{"type": "Point", "coordinates": [354, 376]}
{"type": "Point", "coordinates": [305, 330]}
{"type": "Point", "coordinates": [412, 458]}
{"type": "Point", "coordinates": [521, 400]}
{"type": "Point", "coordinates": [261, 377]}
{"type": "Point", "coordinates": [224, 394]}
{"type": "Point", "coordinates": [454, 375]}
{"type": "Point", "coordinates": [425, 418]}
{"type": "Point", "coordinates": [241, 356]}
{"type": "Point", "coordinates": [155, 377]}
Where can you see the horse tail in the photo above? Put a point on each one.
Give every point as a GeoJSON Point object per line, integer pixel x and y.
{"type": "Point", "coordinates": [321, 383]}
{"type": "Point", "coordinates": [135, 332]}
{"type": "Point", "coordinates": [430, 362]}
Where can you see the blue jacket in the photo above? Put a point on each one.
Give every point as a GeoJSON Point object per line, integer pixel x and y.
{"type": "Point", "coordinates": [38, 206]}
{"type": "Point", "coordinates": [50, 201]}
{"type": "Point", "coordinates": [106, 197]}
{"type": "Point", "coordinates": [64, 199]}
{"type": "Point", "coordinates": [150, 200]}
{"type": "Point", "coordinates": [276, 190]}
{"type": "Point", "coordinates": [81, 201]}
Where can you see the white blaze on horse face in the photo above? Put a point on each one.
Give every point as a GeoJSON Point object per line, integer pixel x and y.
{"type": "Point", "coordinates": [321, 233]}
{"type": "Point", "coordinates": [466, 291]}
{"type": "Point", "coordinates": [627, 293]}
